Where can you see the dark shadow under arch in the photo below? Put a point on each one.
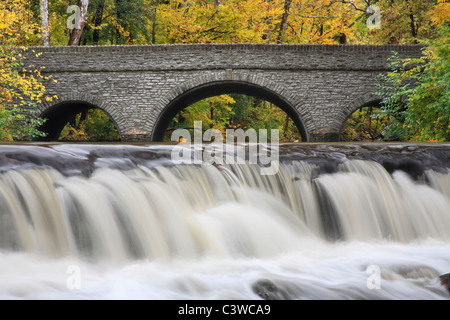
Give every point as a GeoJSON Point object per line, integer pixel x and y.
{"type": "Point", "coordinates": [60, 114]}
{"type": "Point", "coordinates": [219, 88]}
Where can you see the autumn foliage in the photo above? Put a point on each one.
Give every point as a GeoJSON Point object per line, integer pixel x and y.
{"type": "Point", "coordinates": [250, 21]}
{"type": "Point", "coordinates": [129, 22]}
{"type": "Point", "coordinates": [21, 86]}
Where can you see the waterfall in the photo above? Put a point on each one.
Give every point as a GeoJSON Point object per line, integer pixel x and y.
{"type": "Point", "coordinates": [118, 210]}
{"type": "Point", "coordinates": [187, 210]}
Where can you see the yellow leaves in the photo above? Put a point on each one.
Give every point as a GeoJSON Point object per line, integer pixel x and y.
{"type": "Point", "coordinates": [440, 12]}
{"type": "Point", "coordinates": [17, 23]}
{"type": "Point", "coordinates": [21, 86]}
{"type": "Point", "coordinates": [120, 29]}
{"type": "Point", "coordinates": [223, 100]}
{"type": "Point", "coordinates": [50, 98]}
{"type": "Point", "coordinates": [257, 21]}
{"type": "Point", "coordinates": [5, 136]}
{"type": "Point", "coordinates": [233, 21]}
{"type": "Point", "coordinates": [75, 134]}
{"type": "Point", "coordinates": [16, 95]}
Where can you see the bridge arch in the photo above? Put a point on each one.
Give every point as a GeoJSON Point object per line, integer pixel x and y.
{"type": "Point", "coordinates": [143, 84]}
{"type": "Point", "coordinates": [61, 110]}
{"type": "Point", "coordinates": [226, 82]}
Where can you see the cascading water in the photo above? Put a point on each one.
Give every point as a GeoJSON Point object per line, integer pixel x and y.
{"type": "Point", "coordinates": [136, 226]}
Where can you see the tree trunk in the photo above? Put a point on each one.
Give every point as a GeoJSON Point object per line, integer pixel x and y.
{"type": "Point", "coordinates": [413, 26]}
{"type": "Point", "coordinates": [45, 27]}
{"type": "Point", "coordinates": [284, 21]}
{"type": "Point", "coordinates": [83, 118]}
{"type": "Point", "coordinates": [98, 21]}
{"type": "Point", "coordinates": [211, 112]}
{"type": "Point", "coordinates": [75, 36]}
{"type": "Point", "coordinates": [119, 15]}
{"type": "Point", "coordinates": [155, 10]}
{"type": "Point", "coordinates": [286, 126]}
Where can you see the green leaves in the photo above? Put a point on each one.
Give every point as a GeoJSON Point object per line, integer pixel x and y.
{"type": "Point", "coordinates": [236, 111]}
{"type": "Point", "coordinates": [417, 93]}
{"type": "Point", "coordinates": [94, 125]}
{"type": "Point", "coordinates": [20, 92]}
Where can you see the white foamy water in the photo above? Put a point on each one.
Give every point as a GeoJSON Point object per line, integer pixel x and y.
{"type": "Point", "coordinates": [224, 232]}
{"type": "Point", "coordinates": [320, 271]}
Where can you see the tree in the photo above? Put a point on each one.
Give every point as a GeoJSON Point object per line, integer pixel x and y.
{"type": "Point", "coordinates": [214, 112]}
{"type": "Point", "coordinates": [247, 21]}
{"type": "Point", "coordinates": [106, 22]}
{"type": "Point", "coordinates": [404, 21]}
{"type": "Point", "coordinates": [21, 86]}
{"type": "Point", "coordinates": [20, 91]}
{"type": "Point", "coordinates": [45, 27]}
{"type": "Point", "coordinates": [98, 19]}
{"type": "Point", "coordinates": [284, 21]}
{"type": "Point", "coordinates": [417, 93]}
{"type": "Point", "coordinates": [18, 26]}
{"type": "Point", "coordinates": [112, 22]}
{"type": "Point", "coordinates": [366, 124]}
{"type": "Point", "coordinates": [428, 115]}
{"type": "Point", "coordinates": [236, 111]}
{"type": "Point", "coordinates": [92, 125]}
{"type": "Point", "coordinates": [232, 21]}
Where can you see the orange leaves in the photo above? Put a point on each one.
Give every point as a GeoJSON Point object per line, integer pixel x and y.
{"type": "Point", "coordinates": [440, 13]}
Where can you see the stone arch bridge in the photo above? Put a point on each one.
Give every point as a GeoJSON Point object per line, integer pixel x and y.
{"type": "Point", "coordinates": [142, 87]}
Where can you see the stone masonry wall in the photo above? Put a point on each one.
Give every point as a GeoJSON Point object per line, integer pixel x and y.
{"type": "Point", "coordinates": [133, 84]}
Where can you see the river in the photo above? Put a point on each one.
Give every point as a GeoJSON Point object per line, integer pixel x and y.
{"type": "Point", "coordinates": [123, 221]}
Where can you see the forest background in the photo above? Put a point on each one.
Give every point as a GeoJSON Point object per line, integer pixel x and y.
{"type": "Point", "coordinates": [414, 97]}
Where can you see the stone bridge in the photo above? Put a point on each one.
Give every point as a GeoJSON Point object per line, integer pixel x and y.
{"type": "Point", "coordinates": [141, 88]}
